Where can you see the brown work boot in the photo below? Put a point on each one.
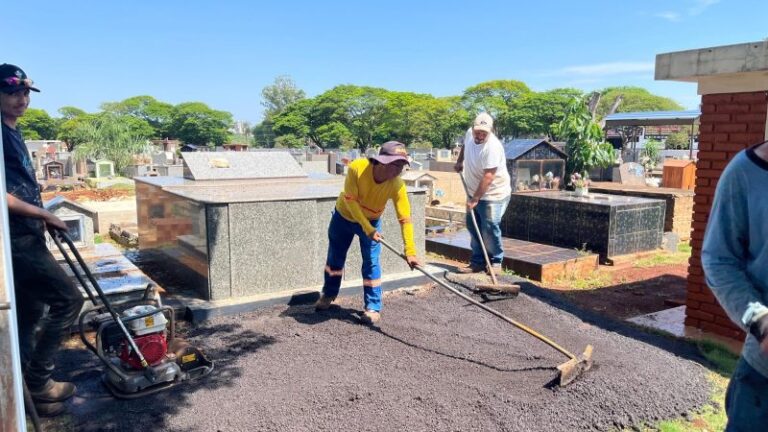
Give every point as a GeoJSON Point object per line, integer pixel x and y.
{"type": "Point", "coordinates": [49, 409]}
{"type": "Point", "coordinates": [370, 317]}
{"type": "Point", "coordinates": [470, 269]}
{"type": "Point", "coordinates": [324, 302]}
{"type": "Point", "coordinates": [53, 391]}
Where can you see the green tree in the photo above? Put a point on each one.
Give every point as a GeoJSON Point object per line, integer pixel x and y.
{"type": "Point", "coordinates": [585, 143]}
{"type": "Point", "coordinates": [263, 135]}
{"type": "Point", "coordinates": [678, 141]}
{"type": "Point", "coordinates": [535, 114]}
{"type": "Point", "coordinates": [69, 129]}
{"type": "Point", "coordinates": [109, 136]}
{"type": "Point", "coordinates": [651, 154]}
{"type": "Point", "coordinates": [495, 97]}
{"type": "Point", "coordinates": [70, 112]}
{"type": "Point", "coordinates": [156, 114]}
{"type": "Point", "coordinates": [281, 93]}
{"type": "Point", "coordinates": [196, 123]}
{"type": "Point", "coordinates": [37, 124]}
{"type": "Point", "coordinates": [634, 99]}
{"type": "Point", "coordinates": [289, 141]}
{"type": "Point", "coordinates": [447, 121]}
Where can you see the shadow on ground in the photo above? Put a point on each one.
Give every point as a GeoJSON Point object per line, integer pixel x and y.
{"type": "Point", "coordinates": [95, 409]}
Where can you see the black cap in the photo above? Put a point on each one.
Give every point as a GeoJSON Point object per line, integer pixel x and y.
{"type": "Point", "coordinates": [13, 79]}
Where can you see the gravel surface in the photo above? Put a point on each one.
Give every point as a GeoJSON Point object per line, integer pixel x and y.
{"type": "Point", "coordinates": [435, 363]}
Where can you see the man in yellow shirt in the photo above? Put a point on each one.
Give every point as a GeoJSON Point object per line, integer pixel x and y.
{"type": "Point", "coordinates": [370, 183]}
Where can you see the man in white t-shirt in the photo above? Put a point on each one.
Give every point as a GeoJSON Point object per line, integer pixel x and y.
{"type": "Point", "coordinates": [484, 164]}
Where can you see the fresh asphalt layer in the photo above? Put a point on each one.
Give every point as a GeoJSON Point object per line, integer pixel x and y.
{"type": "Point", "coordinates": [434, 363]}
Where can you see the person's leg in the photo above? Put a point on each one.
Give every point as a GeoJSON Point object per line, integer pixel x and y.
{"type": "Point", "coordinates": [371, 270]}
{"type": "Point", "coordinates": [340, 234]}
{"type": "Point", "coordinates": [746, 401]}
{"type": "Point", "coordinates": [494, 212]}
{"type": "Point", "coordinates": [42, 278]}
{"type": "Point", "coordinates": [477, 260]}
{"type": "Point", "coordinates": [30, 311]}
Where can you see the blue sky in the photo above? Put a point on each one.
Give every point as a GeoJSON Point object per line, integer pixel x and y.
{"type": "Point", "coordinates": [83, 53]}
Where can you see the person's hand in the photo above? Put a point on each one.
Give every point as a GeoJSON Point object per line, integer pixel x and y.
{"type": "Point", "coordinates": [764, 346]}
{"type": "Point", "coordinates": [51, 220]}
{"type": "Point", "coordinates": [472, 203]}
{"type": "Point", "coordinates": [459, 167]}
{"type": "Point", "coordinates": [759, 330]}
{"type": "Point", "coordinates": [413, 262]}
{"type": "Point", "coordinates": [376, 236]}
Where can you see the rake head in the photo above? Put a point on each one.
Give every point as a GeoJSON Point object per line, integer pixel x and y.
{"type": "Point", "coordinates": [573, 368]}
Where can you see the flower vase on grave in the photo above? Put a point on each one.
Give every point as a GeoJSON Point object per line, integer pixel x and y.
{"type": "Point", "coordinates": [581, 191]}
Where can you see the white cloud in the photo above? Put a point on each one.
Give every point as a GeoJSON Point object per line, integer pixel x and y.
{"type": "Point", "coordinates": [669, 16]}
{"type": "Point", "coordinates": [604, 69]}
{"type": "Point", "coordinates": [700, 6]}
{"type": "Point", "coordinates": [697, 8]}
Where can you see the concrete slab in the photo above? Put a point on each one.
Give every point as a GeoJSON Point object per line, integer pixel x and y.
{"type": "Point", "coordinates": [199, 310]}
{"type": "Point", "coordinates": [117, 276]}
{"type": "Point", "coordinates": [121, 212]}
{"type": "Point", "coordinates": [240, 165]}
{"type": "Point", "coordinates": [672, 321]}
{"type": "Point", "coordinates": [535, 261]}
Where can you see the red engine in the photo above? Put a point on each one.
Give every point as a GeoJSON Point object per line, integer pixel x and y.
{"type": "Point", "coordinates": [153, 346]}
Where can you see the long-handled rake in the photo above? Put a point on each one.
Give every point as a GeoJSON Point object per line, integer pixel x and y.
{"type": "Point", "coordinates": [567, 372]}
{"type": "Point", "coordinates": [508, 289]}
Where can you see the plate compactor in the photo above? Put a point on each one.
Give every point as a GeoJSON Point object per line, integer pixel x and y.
{"type": "Point", "coordinates": [136, 340]}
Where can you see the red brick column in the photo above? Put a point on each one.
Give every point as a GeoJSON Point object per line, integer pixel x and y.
{"type": "Point", "coordinates": [730, 122]}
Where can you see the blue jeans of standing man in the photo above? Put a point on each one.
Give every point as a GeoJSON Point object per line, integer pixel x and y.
{"type": "Point", "coordinates": [746, 401]}
{"type": "Point", "coordinates": [340, 235]}
{"type": "Point", "coordinates": [488, 215]}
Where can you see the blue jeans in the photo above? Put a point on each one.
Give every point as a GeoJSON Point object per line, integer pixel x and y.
{"type": "Point", "coordinates": [340, 235]}
{"type": "Point", "coordinates": [488, 215]}
{"type": "Point", "coordinates": [746, 401]}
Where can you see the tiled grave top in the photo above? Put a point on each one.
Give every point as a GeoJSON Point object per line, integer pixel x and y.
{"type": "Point", "coordinates": [645, 190]}
{"type": "Point", "coordinates": [591, 199]}
{"type": "Point", "coordinates": [233, 191]}
{"type": "Point", "coordinates": [240, 165]}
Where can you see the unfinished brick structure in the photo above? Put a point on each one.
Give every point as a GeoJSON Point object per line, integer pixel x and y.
{"type": "Point", "coordinates": [733, 82]}
{"type": "Point", "coordinates": [730, 122]}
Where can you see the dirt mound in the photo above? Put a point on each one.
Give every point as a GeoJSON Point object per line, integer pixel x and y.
{"type": "Point", "coordinates": [91, 194]}
{"type": "Point", "coordinates": [436, 363]}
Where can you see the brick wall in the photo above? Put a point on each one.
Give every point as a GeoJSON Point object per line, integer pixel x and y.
{"type": "Point", "coordinates": [730, 122]}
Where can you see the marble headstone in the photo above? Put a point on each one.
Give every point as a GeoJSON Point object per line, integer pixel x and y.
{"type": "Point", "coordinates": [631, 173]}
{"type": "Point", "coordinates": [240, 165]}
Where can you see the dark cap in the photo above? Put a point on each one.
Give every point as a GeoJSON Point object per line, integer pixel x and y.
{"type": "Point", "coordinates": [13, 79]}
{"type": "Point", "coordinates": [392, 151]}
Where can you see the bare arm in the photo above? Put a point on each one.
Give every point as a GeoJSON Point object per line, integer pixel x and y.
{"type": "Point", "coordinates": [482, 188]}
{"type": "Point", "coordinates": [459, 167]}
{"type": "Point", "coordinates": [21, 208]}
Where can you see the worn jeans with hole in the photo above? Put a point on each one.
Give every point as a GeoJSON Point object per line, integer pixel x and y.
{"type": "Point", "coordinates": [40, 282]}
{"type": "Point", "coordinates": [488, 215]}
{"type": "Point", "coordinates": [341, 232]}
{"type": "Point", "coordinates": [746, 401]}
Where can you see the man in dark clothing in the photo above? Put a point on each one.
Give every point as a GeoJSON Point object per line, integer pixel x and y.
{"type": "Point", "coordinates": [38, 279]}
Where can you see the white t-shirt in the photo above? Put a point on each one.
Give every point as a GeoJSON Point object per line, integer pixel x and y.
{"type": "Point", "coordinates": [479, 157]}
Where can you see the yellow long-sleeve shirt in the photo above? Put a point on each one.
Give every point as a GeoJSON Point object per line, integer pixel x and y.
{"type": "Point", "coordinates": [363, 200]}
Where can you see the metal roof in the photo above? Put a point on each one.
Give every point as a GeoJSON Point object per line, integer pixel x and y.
{"type": "Point", "coordinates": [514, 148]}
{"type": "Point", "coordinates": [652, 118]}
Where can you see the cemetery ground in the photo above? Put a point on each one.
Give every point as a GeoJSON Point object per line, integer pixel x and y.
{"type": "Point", "coordinates": [436, 363]}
